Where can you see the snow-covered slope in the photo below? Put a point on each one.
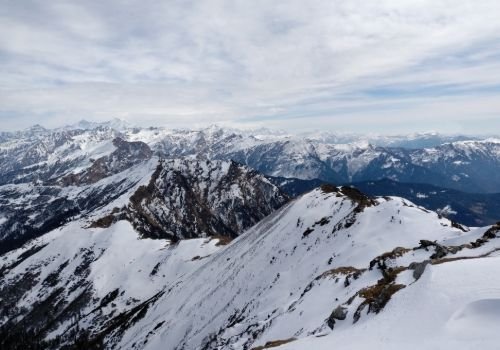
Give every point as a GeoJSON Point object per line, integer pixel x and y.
{"type": "Point", "coordinates": [83, 277]}
{"type": "Point", "coordinates": [284, 278]}
{"type": "Point", "coordinates": [453, 306]}
{"type": "Point", "coordinates": [331, 264]}
{"type": "Point", "coordinates": [39, 155]}
{"type": "Point", "coordinates": [140, 238]}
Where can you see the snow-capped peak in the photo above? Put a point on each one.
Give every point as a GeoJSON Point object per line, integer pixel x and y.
{"type": "Point", "coordinates": [115, 123]}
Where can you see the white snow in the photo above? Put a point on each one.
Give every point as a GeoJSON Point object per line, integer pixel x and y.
{"type": "Point", "coordinates": [446, 210]}
{"type": "Point", "coordinates": [453, 306]}
{"type": "Point", "coordinates": [270, 277]}
{"type": "Point", "coordinates": [270, 265]}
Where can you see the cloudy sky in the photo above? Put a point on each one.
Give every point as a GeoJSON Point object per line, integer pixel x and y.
{"type": "Point", "coordinates": [353, 65]}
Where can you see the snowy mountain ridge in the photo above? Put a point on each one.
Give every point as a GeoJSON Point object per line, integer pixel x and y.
{"type": "Point", "coordinates": [329, 264]}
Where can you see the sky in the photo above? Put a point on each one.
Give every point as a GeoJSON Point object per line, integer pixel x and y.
{"type": "Point", "coordinates": [383, 66]}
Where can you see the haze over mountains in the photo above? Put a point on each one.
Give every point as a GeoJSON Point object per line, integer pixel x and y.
{"type": "Point", "coordinates": [123, 237]}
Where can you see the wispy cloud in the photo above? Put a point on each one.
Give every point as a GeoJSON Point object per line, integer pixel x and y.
{"type": "Point", "coordinates": [350, 65]}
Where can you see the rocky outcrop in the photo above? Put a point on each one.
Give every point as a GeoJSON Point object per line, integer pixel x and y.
{"type": "Point", "coordinates": [339, 313]}
{"type": "Point", "coordinates": [418, 268]}
{"type": "Point", "coordinates": [197, 198]}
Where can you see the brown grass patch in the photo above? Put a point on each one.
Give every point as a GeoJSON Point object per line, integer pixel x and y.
{"type": "Point", "coordinates": [344, 270]}
{"type": "Point", "coordinates": [274, 343]}
{"type": "Point", "coordinates": [373, 293]}
{"type": "Point", "coordinates": [328, 188]}
{"type": "Point", "coordinates": [222, 240]}
{"type": "Point", "coordinates": [376, 297]}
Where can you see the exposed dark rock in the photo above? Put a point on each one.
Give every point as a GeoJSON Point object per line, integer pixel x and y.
{"type": "Point", "coordinates": [492, 232]}
{"type": "Point", "coordinates": [307, 232]}
{"type": "Point", "coordinates": [339, 313]}
{"type": "Point", "coordinates": [418, 268]}
{"type": "Point", "coordinates": [329, 188]}
{"type": "Point", "coordinates": [440, 251]}
{"type": "Point", "coordinates": [274, 344]}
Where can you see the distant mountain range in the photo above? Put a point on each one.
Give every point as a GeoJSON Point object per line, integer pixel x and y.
{"type": "Point", "coordinates": [120, 237]}
{"type": "Point", "coordinates": [469, 166]}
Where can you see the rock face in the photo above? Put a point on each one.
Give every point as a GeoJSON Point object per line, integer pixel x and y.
{"type": "Point", "coordinates": [188, 198]}
{"type": "Point", "coordinates": [418, 268]}
{"type": "Point", "coordinates": [339, 314]}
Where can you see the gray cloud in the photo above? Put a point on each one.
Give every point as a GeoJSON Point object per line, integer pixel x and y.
{"type": "Point", "coordinates": [351, 65]}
